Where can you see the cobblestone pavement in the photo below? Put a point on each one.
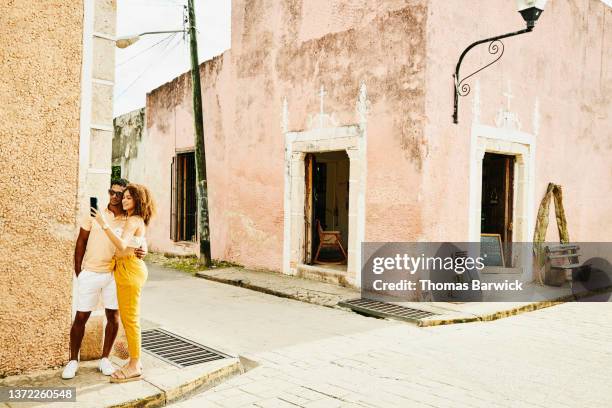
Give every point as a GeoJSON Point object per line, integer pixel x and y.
{"type": "Point", "coordinates": [312, 356]}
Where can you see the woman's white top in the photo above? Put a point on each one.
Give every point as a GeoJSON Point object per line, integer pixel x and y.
{"type": "Point", "coordinates": [135, 242]}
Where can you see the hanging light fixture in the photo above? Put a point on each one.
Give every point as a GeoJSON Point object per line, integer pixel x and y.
{"type": "Point", "coordinates": [530, 10]}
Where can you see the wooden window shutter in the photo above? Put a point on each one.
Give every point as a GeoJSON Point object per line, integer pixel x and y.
{"type": "Point", "coordinates": [173, 181]}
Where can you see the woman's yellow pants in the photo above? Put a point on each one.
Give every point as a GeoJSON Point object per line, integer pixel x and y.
{"type": "Point", "coordinates": [130, 275]}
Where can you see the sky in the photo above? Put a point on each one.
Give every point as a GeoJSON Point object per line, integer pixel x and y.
{"type": "Point", "coordinates": [157, 59]}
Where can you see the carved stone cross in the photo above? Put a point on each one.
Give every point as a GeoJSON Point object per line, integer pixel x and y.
{"type": "Point", "coordinates": [322, 94]}
{"type": "Point", "coordinates": [509, 96]}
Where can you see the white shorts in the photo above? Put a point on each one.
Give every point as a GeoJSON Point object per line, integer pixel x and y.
{"type": "Point", "coordinates": [90, 286]}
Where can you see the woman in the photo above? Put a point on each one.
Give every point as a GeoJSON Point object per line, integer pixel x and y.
{"type": "Point", "coordinates": [130, 272]}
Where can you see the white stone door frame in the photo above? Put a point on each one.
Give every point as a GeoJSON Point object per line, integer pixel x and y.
{"type": "Point", "coordinates": [325, 135]}
{"type": "Point", "coordinates": [521, 145]}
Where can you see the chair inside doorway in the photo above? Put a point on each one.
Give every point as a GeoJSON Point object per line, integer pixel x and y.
{"type": "Point", "coordinates": [329, 240]}
{"type": "Point", "coordinates": [326, 208]}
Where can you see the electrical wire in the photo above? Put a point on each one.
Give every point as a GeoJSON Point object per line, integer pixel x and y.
{"type": "Point", "coordinates": [156, 62]}
{"type": "Point", "coordinates": [145, 50]}
{"type": "Point", "coordinates": [161, 58]}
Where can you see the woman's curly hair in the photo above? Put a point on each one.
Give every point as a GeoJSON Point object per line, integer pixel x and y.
{"type": "Point", "coordinates": [144, 206]}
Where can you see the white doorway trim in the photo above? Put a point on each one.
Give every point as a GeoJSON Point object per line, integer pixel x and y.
{"type": "Point", "coordinates": [509, 142]}
{"type": "Point", "coordinates": [325, 135]}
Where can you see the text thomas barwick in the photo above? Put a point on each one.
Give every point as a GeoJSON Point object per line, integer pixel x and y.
{"type": "Point", "coordinates": [427, 284]}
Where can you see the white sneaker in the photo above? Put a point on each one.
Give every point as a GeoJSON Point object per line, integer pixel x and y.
{"type": "Point", "coordinates": [106, 367]}
{"type": "Point", "coordinates": [70, 370]}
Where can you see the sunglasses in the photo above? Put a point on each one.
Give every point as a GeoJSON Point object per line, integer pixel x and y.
{"type": "Point", "coordinates": [117, 193]}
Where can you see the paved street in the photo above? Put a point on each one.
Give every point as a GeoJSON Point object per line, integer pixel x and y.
{"type": "Point", "coordinates": [313, 356]}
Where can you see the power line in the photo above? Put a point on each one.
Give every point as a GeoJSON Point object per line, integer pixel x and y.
{"type": "Point", "coordinates": [152, 64]}
{"type": "Point", "coordinates": [143, 51]}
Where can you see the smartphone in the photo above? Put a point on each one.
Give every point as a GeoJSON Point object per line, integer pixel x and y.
{"type": "Point", "coordinates": [93, 202]}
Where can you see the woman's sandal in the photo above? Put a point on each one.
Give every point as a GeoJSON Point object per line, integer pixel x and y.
{"type": "Point", "coordinates": [124, 377]}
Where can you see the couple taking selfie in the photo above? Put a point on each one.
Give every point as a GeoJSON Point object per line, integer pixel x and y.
{"type": "Point", "coordinates": [108, 262]}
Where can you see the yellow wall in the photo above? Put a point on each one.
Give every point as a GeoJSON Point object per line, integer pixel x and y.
{"type": "Point", "coordinates": [40, 50]}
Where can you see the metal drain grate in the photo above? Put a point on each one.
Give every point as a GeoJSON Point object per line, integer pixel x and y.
{"type": "Point", "coordinates": [177, 350]}
{"type": "Point", "coordinates": [382, 309]}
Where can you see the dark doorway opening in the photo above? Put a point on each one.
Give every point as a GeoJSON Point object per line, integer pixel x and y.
{"type": "Point", "coordinates": [497, 199]}
{"type": "Point", "coordinates": [184, 198]}
{"type": "Point", "coordinates": [326, 206]}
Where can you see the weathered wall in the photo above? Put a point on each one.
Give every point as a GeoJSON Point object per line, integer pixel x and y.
{"type": "Point", "coordinates": [58, 70]}
{"type": "Point", "coordinates": [285, 49]}
{"type": "Point", "coordinates": [168, 129]}
{"type": "Point", "coordinates": [40, 50]}
{"type": "Point", "coordinates": [566, 71]}
{"type": "Point", "coordinates": [127, 143]}
{"type": "Point", "coordinates": [387, 53]}
{"type": "Point", "coordinates": [417, 161]}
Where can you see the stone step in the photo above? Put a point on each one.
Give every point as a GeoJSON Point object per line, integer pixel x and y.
{"type": "Point", "coordinates": [323, 273]}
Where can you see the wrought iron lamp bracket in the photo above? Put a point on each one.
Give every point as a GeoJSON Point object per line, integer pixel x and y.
{"type": "Point", "coordinates": [461, 88]}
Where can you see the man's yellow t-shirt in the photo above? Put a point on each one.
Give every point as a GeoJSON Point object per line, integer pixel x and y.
{"type": "Point", "coordinates": [100, 250]}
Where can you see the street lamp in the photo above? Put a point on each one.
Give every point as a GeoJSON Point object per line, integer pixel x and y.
{"type": "Point", "coordinates": [124, 42]}
{"type": "Point", "coordinates": [530, 10]}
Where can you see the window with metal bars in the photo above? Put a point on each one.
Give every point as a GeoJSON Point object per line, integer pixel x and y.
{"type": "Point", "coordinates": [183, 205]}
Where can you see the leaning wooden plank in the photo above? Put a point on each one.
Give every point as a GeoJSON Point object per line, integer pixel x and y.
{"type": "Point", "coordinates": [539, 235]}
{"type": "Point", "coordinates": [560, 214]}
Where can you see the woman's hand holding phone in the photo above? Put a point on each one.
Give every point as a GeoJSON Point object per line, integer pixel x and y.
{"type": "Point", "coordinates": [99, 216]}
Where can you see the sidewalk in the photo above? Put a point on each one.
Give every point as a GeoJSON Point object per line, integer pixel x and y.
{"type": "Point", "coordinates": [330, 295]}
{"type": "Point", "coordinates": [312, 356]}
{"type": "Point", "coordinates": [162, 383]}
{"type": "Point", "coordinates": [277, 284]}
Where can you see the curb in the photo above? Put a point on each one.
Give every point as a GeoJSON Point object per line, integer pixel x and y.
{"type": "Point", "coordinates": [175, 394]}
{"type": "Point", "coordinates": [514, 311]}
{"type": "Point", "coordinates": [418, 323]}
{"type": "Point", "coordinates": [423, 322]}
{"type": "Point", "coordinates": [242, 284]}
{"type": "Point", "coordinates": [492, 316]}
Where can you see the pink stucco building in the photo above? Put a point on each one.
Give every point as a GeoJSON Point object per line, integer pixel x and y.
{"type": "Point", "coordinates": [341, 112]}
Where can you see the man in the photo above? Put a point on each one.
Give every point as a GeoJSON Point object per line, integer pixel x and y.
{"type": "Point", "coordinates": [92, 258]}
